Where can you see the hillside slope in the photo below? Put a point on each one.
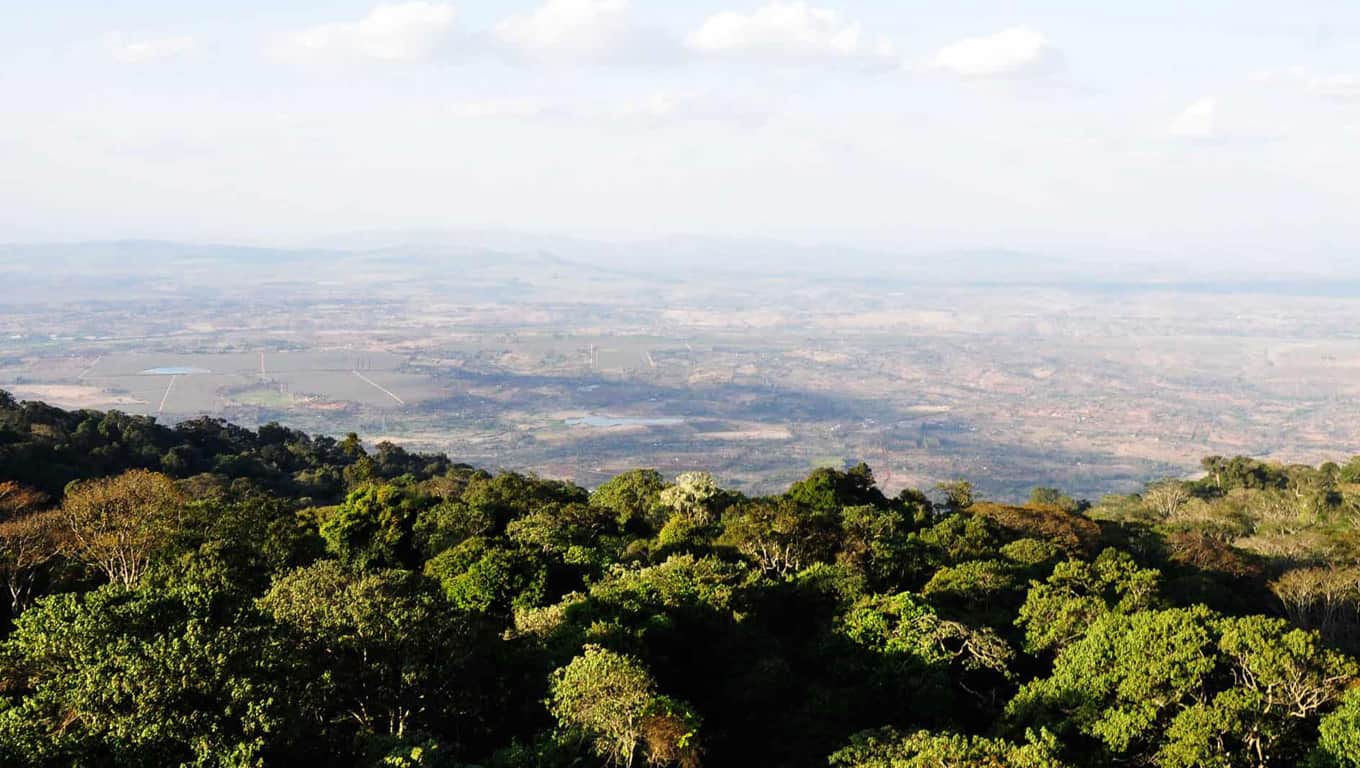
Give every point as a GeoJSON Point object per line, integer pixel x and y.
{"type": "Point", "coordinates": [212, 595]}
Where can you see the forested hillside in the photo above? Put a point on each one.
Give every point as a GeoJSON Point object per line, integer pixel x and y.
{"type": "Point", "coordinates": [211, 595]}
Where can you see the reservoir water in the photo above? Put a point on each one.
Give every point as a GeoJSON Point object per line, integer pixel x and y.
{"type": "Point", "coordinates": [174, 370]}
{"type": "Point", "coordinates": [621, 421]}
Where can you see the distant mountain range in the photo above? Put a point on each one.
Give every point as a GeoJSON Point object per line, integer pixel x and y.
{"type": "Point", "coordinates": [684, 257]}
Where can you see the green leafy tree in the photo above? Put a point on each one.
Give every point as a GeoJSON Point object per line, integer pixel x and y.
{"type": "Point", "coordinates": [449, 524]}
{"type": "Point", "coordinates": [684, 533]}
{"type": "Point", "coordinates": [574, 533]}
{"type": "Point", "coordinates": [509, 494]}
{"type": "Point", "coordinates": [1031, 553]}
{"type": "Point", "coordinates": [980, 589]}
{"type": "Point", "coordinates": [827, 489]}
{"type": "Point", "coordinates": [142, 677]}
{"type": "Point", "coordinates": [1185, 687]}
{"type": "Point", "coordinates": [1126, 678]}
{"type": "Point", "coordinates": [633, 606]}
{"type": "Point", "coordinates": [1283, 679]}
{"type": "Point", "coordinates": [781, 536]}
{"type": "Point", "coordinates": [634, 497]}
{"type": "Point", "coordinates": [879, 545]}
{"type": "Point", "coordinates": [385, 651]}
{"type": "Point", "coordinates": [1063, 607]}
{"type": "Point", "coordinates": [480, 577]}
{"type": "Point", "coordinates": [958, 495]}
{"type": "Point", "coordinates": [888, 748]}
{"type": "Point", "coordinates": [905, 628]}
{"type": "Point", "coordinates": [1339, 735]}
{"type": "Point", "coordinates": [388, 751]}
{"type": "Point", "coordinates": [613, 698]}
{"type": "Point", "coordinates": [959, 538]}
{"type": "Point", "coordinates": [237, 545]}
{"type": "Point", "coordinates": [374, 527]}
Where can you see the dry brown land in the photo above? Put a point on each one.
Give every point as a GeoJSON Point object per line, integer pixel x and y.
{"type": "Point", "coordinates": [1090, 388]}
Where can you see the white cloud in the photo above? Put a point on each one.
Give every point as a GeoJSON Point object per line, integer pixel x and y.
{"type": "Point", "coordinates": [793, 30]}
{"type": "Point", "coordinates": [568, 29]}
{"type": "Point", "coordinates": [391, 32]}
{"type": "Point", "coordinates": [1196, 121]}
{"type": "Point", "coordinates": [1015, 52]}
{"type": "Point", "coordinates": [140, 51]}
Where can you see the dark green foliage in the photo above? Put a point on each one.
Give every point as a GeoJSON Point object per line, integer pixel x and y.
{"type": "Point", "coordinates": [635, 499]}
{"type": "Point", "coordinates": [781, 536]}
{"type": "Point", "coordinates": [889, 749]}
{"type": "Point", "coordinates": [51, 447]}
{"type": "Point", "coordinates": [828, 490]}
{"type": "Point", "coordinates": [146, 677]}
{"type": "Point", "coordinates": [1222, 475]}
{"type": "Point", "coordinates": [881, 545]}
{"type": "Point", "coordinates": [375, 526]}
{"type": "Point", "coordinates": [479, 576]}
{"type": "Point", "coordinates": [449, 524]}
{"type": "Point", "coordinates": [382, 652]}
{"type": "Point", "coordinates": [239, 545]}
{"type": "Point", "coordinates": [311, 601]}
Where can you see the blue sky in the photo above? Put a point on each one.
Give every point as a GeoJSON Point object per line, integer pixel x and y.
{"type": "Point", "coordinates": [1212, 128]}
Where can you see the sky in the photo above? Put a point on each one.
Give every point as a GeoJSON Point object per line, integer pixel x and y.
{"type": "Point", "coordinates": [1210, 130]}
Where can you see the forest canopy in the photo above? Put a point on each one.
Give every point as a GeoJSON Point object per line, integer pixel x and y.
{"type": "Point", "coordinates": [210, 595]}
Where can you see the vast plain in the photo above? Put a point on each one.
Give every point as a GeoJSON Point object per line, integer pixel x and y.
{"type": "Point", "coordinates": [571, 360]}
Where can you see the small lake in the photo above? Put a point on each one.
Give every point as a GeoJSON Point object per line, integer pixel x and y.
{"type": "Point", "coordinates": [618, 421]}
{"type": "Point", "coordinates": [174, 370]}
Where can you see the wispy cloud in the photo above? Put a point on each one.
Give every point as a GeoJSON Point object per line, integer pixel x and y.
{"type": "Point", "coordinates": [399, 32]}
{"type": "Point", "coordinates": [1197, 121]}
{"type": "Point", "coordinates": [1016, 52]}
{"type": "Point", "coordinates": [142, 51]}
{"type": "Point", "coordinates": [590, 31]}
{"type": "Point", "coordinates": [789, 31]}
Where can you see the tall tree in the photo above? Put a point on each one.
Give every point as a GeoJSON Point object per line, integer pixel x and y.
{"type": "Point", "coordinates": [117, 524]}
{"type": "Point", "coordinates": [385, 652]}
{"type": "Point", "coordinates": [613, 698]}
{"type": "Point", "coordinates": [28, 541]}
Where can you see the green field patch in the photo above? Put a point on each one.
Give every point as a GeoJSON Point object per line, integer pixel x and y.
{"type": "Point", "coordinates": [264, 397]}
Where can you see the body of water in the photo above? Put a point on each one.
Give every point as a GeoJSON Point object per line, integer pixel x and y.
{"type": "Point", "coordinates": [174, 370]}
{"type": "Point", "coordinates": [621, 421]}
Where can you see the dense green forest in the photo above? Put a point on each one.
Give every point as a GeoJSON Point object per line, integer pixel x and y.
{"type": "Point", "coordinates": [210, 595]}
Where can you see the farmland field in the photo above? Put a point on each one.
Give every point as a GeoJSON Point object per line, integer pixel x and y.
{"type": "Point", "coordinates": [209, 383]}
{"type": "Point", "coordinates": [1060, 383]}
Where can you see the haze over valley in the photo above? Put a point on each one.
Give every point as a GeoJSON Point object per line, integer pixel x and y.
{"type": "Point", "coordinates": [755, 360]}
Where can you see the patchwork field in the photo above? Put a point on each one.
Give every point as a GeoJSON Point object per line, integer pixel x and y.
{"type": "Point", "coordinates": [575, 371]}
{"type": "Point", "coordinates": [184, 384]}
